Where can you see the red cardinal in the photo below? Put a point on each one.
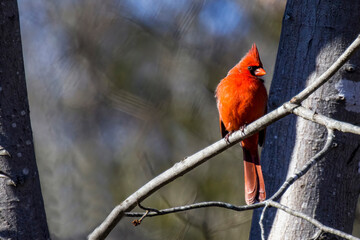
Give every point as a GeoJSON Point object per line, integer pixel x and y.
{"type": "Point", "coordinates": [241, 99]}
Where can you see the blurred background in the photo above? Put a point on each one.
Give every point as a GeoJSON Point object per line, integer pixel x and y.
{"type": "Point", "coordinates": [120, 90]}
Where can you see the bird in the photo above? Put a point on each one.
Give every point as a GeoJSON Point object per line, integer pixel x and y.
{"type": "Point", "coordinates": [241, 99]}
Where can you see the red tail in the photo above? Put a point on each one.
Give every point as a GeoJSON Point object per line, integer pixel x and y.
{"type": "Point", "coordinates": [254, 180]}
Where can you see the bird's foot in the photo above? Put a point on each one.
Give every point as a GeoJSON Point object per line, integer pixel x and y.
{"type": "Point", "coordinates": [227, 137]}
{"type": "Point", "coordinates": [242, 128]}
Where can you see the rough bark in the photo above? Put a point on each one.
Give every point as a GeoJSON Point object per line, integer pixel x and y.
{"type": "Point", "coordinates": [22, 214]}
{"type": "Point", "coordinates": [314, 34]}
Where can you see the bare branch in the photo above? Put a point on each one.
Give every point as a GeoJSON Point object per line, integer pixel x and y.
{"type": "Point", "coordinates": [202, 156]}
{"type": "Point", "coordinates": [312, 221]}
{"type": "Point", "coordinates": [196, 206]}
{"type": "Point", "coordinates": [323, 120]}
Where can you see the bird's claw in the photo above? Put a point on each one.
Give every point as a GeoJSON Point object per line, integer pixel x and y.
{"type": "Point", "coordinates": [242, 128]}
{"type": "Point", "coordinates": [227, 137]}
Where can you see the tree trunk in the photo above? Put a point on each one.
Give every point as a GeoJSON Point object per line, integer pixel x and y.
{"type": "Point", "coordinates": [22, 211]}
{"type": "Point", "coordinates": [314, 34]}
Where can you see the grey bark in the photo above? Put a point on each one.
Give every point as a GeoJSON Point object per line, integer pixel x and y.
{"type": "Point", "coordinates": [314, 34]}
{"type": "Point", "coordinates": [22, 214]}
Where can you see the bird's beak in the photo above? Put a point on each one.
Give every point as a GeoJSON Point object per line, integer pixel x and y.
{"type": "Point", "coordinates": [259, 72]}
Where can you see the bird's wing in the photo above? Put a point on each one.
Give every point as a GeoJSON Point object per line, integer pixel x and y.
{"type": "Point", "coordinates": [222, 128]}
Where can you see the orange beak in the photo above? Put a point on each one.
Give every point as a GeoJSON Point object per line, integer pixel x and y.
{"type": "Point", "coordinates": [259, 72]}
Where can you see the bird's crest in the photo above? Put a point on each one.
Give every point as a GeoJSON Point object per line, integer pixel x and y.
{"type": "Point", "coordinates": [254, 53]}
{"type": "Point", "coordinates": [252, 58]}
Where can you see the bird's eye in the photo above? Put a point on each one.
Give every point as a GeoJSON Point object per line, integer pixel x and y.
{"type": "Point", "coordinates": [250, 68]}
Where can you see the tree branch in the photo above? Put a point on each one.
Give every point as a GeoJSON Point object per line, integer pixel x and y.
{"type": "Point", "coordinates": [323, 120]}
{"type": "Point", "coordinates": [196, 206]}
{"type": "Point", "coordinates": [311, 220]}
{"type": "Point", "coordinates": [202, 156]}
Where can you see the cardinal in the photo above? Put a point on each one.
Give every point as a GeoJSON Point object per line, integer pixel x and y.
{"type": "Point", "coordinates": [241, 99]}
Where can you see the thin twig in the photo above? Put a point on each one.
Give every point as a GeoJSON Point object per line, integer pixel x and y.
{"type": "Point", "coordinates": [137, 222]}
{"type": "Point", "coordinates": [311, 220]}
{"type": "Point", "coordinates": [202, 156]}
{"type": "Point", "coordinates": [196, 206]}
{"type": "Point", "coordinates": [261, 223]}
{"type": "Point", "coordinates": [147, 208]}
